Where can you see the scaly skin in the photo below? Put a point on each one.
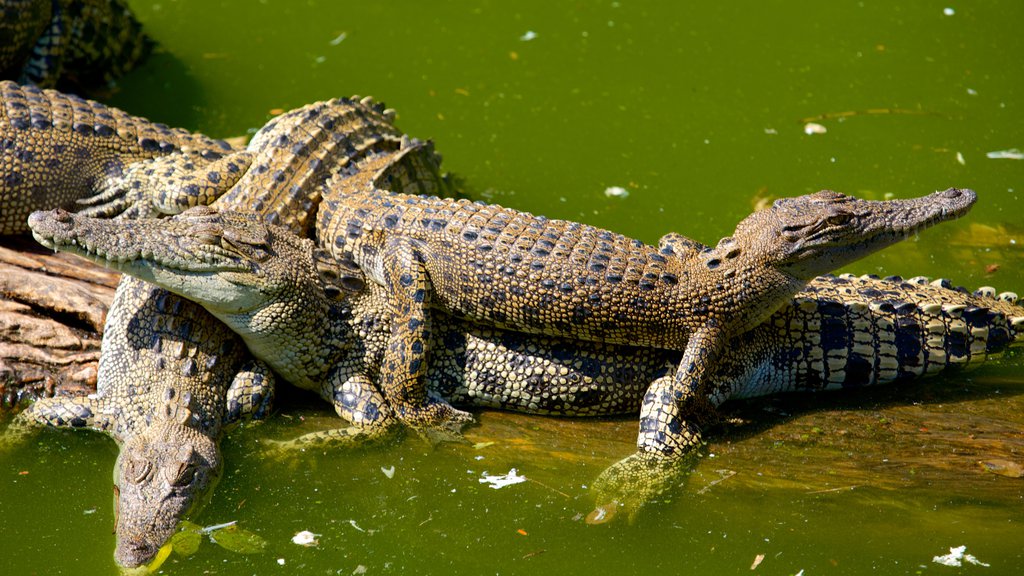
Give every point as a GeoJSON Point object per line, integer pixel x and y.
{"type": "Point", "coordinates": [291, 160]}
{"type": "Point", "coordinates": [520, 272]}
{"type": "Point", "coordinates": [322, 324]}
{"type": "Point", "coordinates": [58, 150]}
{"type": "Point", "coordinates": [76, 45]}
{"type": "Point", "coordinates": [170, 380]}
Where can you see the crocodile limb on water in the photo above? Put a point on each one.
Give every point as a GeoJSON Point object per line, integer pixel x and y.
{"type": "Point", "coordinates": [517, 271]}
{"type": "Point", "coordinates": [75, 45]}
{"type": "Point", "coordinates": [60, 151]}
{"type": "Point", "coordinates": [281, 294]}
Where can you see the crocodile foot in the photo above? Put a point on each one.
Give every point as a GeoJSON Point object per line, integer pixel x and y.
{"type": "Point", "coordinates": [349, 437]}
{"type": "Point", "coordinates": [630, 483]}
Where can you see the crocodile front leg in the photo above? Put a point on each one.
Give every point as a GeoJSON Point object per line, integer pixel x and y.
{"type": "Point", "coordinates": [670, 435]}
{"type": "Point", "coordinates": [251, 394]}
{"type": "Point", "coordinates": [404, 271]}
{"type": "Point", "coordinates": [167, 185]}
{"type": "Point", "coordinates": [358, 401]}
{"type": "Point", "coordinates": [61, 412]}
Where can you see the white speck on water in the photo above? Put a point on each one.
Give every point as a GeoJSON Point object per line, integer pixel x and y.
{"type": "Point", "coordinates": [814, 128]}
{"type": "Point", "coordinates": [305, 538]}
{"type": "Point", "coordinates": [89, 511]}
{"type": "Point", "coordinates": [771, 131]}
{"type": "Point", "coordinates": [528, 35]}
{"type": "Point", "coordinates": [948, 11]}
{"type": "Point", "coordinates": [972, 92]}
{"type": "Point", "coordinates": [616, 192]}
{"type": "Point", "coordinates": [320, 59]}
{"type": "Point", "coordinates": [960, 158]}
{"type": "Point", "coordinates": [957, 557]}
{"type": "Point", "coordinates": [389, 472]}
{"type": "Point", "coordinates": [1010, 154]}
{"type": "Point", "coordinates": [338, 39]}
{"type": "Point", "coordinates": [502, 480]}
{"type": "Point", "coordinates": [280, 561]}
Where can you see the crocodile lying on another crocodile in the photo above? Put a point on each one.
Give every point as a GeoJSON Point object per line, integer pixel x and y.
{"type": "Point", "coordinates": [281, 293]}
{"type": "Point", "coordinates": [76, 45]}
{"type": "Point", "coordinates": [520, 272]}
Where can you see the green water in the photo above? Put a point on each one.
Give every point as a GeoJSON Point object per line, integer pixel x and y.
{"type": "Point", "coordinates": [697, 110]}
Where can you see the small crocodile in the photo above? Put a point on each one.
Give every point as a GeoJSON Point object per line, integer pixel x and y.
{"type": "Point", "coordinates": [59, 150]}
{"type": "Point", "coordinates": [517, 271]}
{"type": "Point", "coordinates": [288, 164]}
{"type": "Point", "coordinates": [76, 45]}
{"type": "Point", "coordinates": [170, 380]}
{"type": "Point", "coordinates": [327, 325]}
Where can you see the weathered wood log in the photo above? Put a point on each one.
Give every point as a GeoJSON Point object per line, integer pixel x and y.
{"type": "Point", "coordinates": [52, 309]}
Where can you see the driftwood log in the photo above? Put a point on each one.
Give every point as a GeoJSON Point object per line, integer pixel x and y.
{"type": "Point", "coordinates": [52, 309]}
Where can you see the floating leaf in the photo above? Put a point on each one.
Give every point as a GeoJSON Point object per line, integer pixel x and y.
{"type": "Point", "coordinates": [238, 540]}
{"type": "Point", "coordinates": [186, 542]}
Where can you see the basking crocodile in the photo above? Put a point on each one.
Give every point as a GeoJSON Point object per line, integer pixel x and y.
{"type": "Point", "coordinates": [516, 271]}
{"type": "Point", "coordinates": [327, 325]}
{"type": "Point", "coordinates": [171, 379]}
{"type": "Point", "coordinates": [58, 150]}
{"type": "Point", "coordinates": [291, 159]}
{"type": "Point", "coordinates": [77, 45]}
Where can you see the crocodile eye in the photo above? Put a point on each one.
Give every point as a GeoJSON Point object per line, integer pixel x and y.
{"type": "Point", "coordinates": [839, 219]}
{"type": "Point", "coordinates": [136, 471]}
{"type": "Point", "coordinates": [186, 473]}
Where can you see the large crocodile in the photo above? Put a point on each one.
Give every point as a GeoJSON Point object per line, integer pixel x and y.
{"type": "Point", "coordinates": [59, 150]}
{"type": "Point", "coordinates": [517, 271]}
{"type": "Point", "coordinates": [291, 159]}
{"type": "Point", "coordinates": [77, 45]}
{"type": "Point", "coordinates": [328, 327]}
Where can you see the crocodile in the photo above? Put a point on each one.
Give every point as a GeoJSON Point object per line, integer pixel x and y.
{"type": "Point", "coordinates": [76, 45]}
{"type": "Point", "coordinates": [521, 272]}
{"type": "Point", "coordinates": [59, 150]}
{"type": "Point", "coordinates": [284, 294]}
{"type": "Point", "coordinates": [170, 382]}
{"type": "Point", "coordinates": [291, 159]}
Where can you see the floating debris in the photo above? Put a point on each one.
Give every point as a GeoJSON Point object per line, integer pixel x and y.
{"type": "Point", "coordinates": [1007, 468]}
{"type": "Point", "coordinates": [529, 35]}
{"type": "Point", "coordinates": [305, 538]}
{"type": "Point", "coordinates": [814, 128]}
{"type": "Point", "coordinates": [1010, 154]}
{"type": "Point", "coordinates": [503, 480]}
{"type": "Point", "coordinates": [389, 472]}
{"type": "Point", "coordinates": [339, 39]}
{"type": "Point", "coordinates": [757, 561]}
{"type": "Point", "coordinates": [960, 158]}
{"type": "Point", "coordinates": [602, 513]}
{"type": "Point", "coordinates": [956, 558]}
{"type": "Point", "coordinates": [616, 192]}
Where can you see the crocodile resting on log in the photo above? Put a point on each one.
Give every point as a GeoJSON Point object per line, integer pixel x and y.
{"type": "Point", "coordinates": [75, 45]}
{"type": "Point", "coordinates": [281, 292]}
{"type": "Point", "coordinates": [155, 341]}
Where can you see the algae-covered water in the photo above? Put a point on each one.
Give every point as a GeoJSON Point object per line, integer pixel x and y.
{"type": "Point", "coordinates": [697, 111]}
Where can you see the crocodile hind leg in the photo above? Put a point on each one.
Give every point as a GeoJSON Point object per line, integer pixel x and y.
{"type": "Point", "coordinates": [61, 412]}
{"type": "Point", "coordinates": [404, 368]}
{"type": "Point", "coordinates": [167, 184]}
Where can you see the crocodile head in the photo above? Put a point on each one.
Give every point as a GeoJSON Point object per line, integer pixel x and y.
{"type": "Point", "coordinates": [810, 235]}
{"type": "Point", "coordinates": [269, 285]}
{"type": "Point", "coordinates": [162, 473]}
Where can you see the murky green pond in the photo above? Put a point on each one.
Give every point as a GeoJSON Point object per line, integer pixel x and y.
{"type": "Point", "coordinates": [697, 110]}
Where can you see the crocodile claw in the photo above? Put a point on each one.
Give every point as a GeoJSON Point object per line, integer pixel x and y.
{"type": "Point", "coordinates": [630, 483]}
